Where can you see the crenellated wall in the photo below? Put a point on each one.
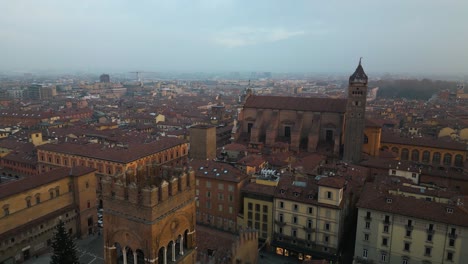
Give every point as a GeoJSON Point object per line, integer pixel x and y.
{"type": "Point", "coordinates": [155, 216]}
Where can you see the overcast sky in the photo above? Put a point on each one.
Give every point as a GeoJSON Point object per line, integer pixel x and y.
{"type": "Point", "coordinates": [395, 36]}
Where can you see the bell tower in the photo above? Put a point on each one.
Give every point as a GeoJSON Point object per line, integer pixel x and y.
{"type": "Point", "coordinates": [355, 115]}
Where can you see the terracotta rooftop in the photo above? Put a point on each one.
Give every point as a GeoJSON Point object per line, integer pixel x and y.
{"type": "Point", "coordinates": [422, 141]}
{"type": "Point", "coordinates": [31, 182]}
{"type": "Point", "coordinates": [375, 198]}
{"type": "Point", "coordinates": [332, 182]}
{"type": "Point", "coordinates": [251, 160]}
{"type": "Point", "coordinates": [218, 170]}
{"type": "Point", "coordinates": [311, 104]}
{"type": "Point", "coordinates": [133, 152]}
{"type": "Point", "coordinates": [256, 188]}
{"type": "Point", "coordinates": [235, 147]}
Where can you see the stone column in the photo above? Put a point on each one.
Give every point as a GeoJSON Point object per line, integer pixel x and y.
{"type": "Point", "coordinates": [124, 253]}
{"type": "Point", "coordinates": [173, 251]}
{"type": "Point", "coordinates": [181, 245]}
{"type": "Point", "coordinates": [165, 255]}
{"type": "Point", "coordinates": [135, 257]}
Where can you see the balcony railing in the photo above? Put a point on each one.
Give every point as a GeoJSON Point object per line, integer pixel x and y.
{"type": "Point", "coordinates": [453, 235]}
{"type": "Point", "coordinates": [368, 218]}
{"type": "Point", "coordinates": [280, 223]}
{"type": "Point", "coordinates": [386, 221]}
{"type": "Point", "coordinates": [308, 229]}
{"type": "Point", "coordinates": [430, 231]}
{"type": "Point", "coordinates": [293, 240]}
{"type": "Point", "coordinates": [409, 227]}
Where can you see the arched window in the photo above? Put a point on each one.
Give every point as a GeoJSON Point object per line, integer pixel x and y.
{"type": "Point", "coordinates": [395, 149]}
{"type": "Point", "coordinates": [404, 154]}
{"type": "Point", "coordinates": [447, 159]}
{"type": "Point", "coordinates": [415, 155]}
{"type": "Point", "coordinates": [426, 157]}
{"type": "Point", "coordinates": [366, 139]}
{"type": "Point", "coordinates": [436, 158]}
{"type": "Point", "coordinates": [459, 160]}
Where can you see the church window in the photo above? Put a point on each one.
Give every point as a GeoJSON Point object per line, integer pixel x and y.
{"type": "Point", "coordinates": [366, 139]}
{"type": "Point", "coordinates": [404, 154]}
{"type": "Point", "coordinates": [426, 156]}
{"type": "Point", "coordinates": [287, 131]}
{"type": "Point", "coordinates": [415, 155]}
{"type": "Point", "coordinates": [447, 159]}
{"type": "Point", "coordinates": [459, 160]}
{"type": "Point", "coordinates": [436, 158]}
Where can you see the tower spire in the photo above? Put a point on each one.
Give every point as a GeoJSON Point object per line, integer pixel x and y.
{"type": "Point", "coordinates": [359, 75]}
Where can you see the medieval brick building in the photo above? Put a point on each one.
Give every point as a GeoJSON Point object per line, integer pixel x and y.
{"type": "Point", "coordinates": [308, 123]}
{"type": "Point", "coordinates": [149, 216]}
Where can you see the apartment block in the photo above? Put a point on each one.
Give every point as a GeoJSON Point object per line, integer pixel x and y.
{"type": "Point", "coordinates": [405, 224]}
{"type": "Point", "coordinates": [309, 216]}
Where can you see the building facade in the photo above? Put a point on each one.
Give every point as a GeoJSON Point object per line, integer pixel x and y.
{"type": "Point", "coordinates": [406, 227]}
{"type": "Point", "coordinates": [309, 217]}
{"type": "Point", "coordinates": [257, 209]}
{"type": "Point", "coordinates": [427, 151]}
{"type": "Point", "coordinates": [110, 160]}
{"type": "Point", "coordinates": [150, 217]}
{"type": "Point", "coordinates": [31, 208]}
{"type": "Point", "coordinates": [218, 194]}
{"type": "Point", "coordinates": [308, 123]}
{"type": "Point", "coordinates": [203, 142]}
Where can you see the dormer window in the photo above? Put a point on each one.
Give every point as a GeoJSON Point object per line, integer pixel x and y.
{"type": "Point", "coordinates": [282, 191]}
{"type": "Point", "coordinates": [389, 200]}
{"type": "Point", "coordinates": [310, 196]}
{"type": "Point", "coordinates": [449, 210]}
{"type": "Point", "coordinates": [296, 194]}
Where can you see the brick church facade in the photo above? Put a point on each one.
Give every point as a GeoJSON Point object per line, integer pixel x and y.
{"type": "Point", "coordinates": [309, 123]}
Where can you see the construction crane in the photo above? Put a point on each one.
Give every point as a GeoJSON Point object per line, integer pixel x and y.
{"type": "Point", "coordinates": [138, 75]}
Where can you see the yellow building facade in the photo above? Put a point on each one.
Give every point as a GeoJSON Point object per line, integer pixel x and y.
{"type": "Point", "coordinates": [257, 207]}
{"type": "Point", "coordinates": [309, 218]}
{"type": "Point", "coordinates": [434, 155]}
{"type": "Point", "coordinates": [395, 228]}
{"type": "Point", "coordinates": [31, 208]}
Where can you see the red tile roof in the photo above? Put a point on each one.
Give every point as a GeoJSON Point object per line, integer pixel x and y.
{"type": "Point", "coordinates": [14, 187]}
{"type": "Point", "coordinates": [133, 152]}
{"type": "Point", "coordinates": [261, 189]}
{"type": "Point", "coordinates": [333, 182]}
{"type": "Point", "coordinates": [311, 104]}
{"type": "Point", "coordinates": [375, 198]}
{"type": "Point", "coordinates": [422, 141]}
{"type": "Point", "coordinates": [218, 170]}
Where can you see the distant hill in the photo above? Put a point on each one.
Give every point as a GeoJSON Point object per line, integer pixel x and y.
{"type": "Point", "coordinates": [411, 89]}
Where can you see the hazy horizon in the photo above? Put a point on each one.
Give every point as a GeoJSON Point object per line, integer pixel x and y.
{"type": "Point", "coordinates": [414, 37]}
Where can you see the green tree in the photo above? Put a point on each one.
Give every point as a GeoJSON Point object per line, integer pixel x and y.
{"type": "Point", "coordinates": [64, 246]}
